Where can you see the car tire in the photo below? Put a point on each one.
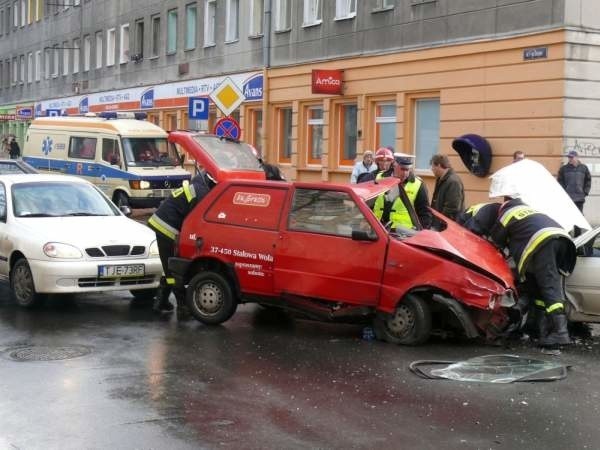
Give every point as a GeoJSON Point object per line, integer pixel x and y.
{"type": "Point", "coordinates": [210, 299]}
{"type": "Point", "coordinates": [144, 295]}
{"type": "Point", "coordinates": [121, 199]}
{"type": "Point", "coordinates": [410, 324]}
{"type": "Point", "coordinates": [23, 288]}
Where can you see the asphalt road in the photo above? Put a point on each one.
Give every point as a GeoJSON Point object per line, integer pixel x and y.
{"type": "Point", "coordinates": [100, 372]}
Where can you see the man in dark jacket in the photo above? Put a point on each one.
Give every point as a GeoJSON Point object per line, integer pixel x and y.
{"type": "Point", "coordinates": [543, 252]}
{"type": "Point", "coordinates": [167, 222]}
{"type": "Point", "coordinates": [576, 180]}
{"type": "Point", "coordinates": [448, 194]}
{"type": "Point", "coordinates": [14, 149]}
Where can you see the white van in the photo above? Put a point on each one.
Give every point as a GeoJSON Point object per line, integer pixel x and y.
{"type": "Point", "coordinates": [130, 160]}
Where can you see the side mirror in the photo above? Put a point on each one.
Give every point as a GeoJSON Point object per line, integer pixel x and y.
{"type": "Point", "coordinates": [125, 210]}
{"type": "Point", "coordinates": [362, 235]}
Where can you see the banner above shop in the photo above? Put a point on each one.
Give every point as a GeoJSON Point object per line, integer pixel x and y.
{"type": "Point", "coordinates": [327, 82]}
{"type": "Point", "coordinates": [24, 112]}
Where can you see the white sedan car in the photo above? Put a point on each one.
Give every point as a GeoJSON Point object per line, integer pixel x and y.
{"type": "Point", "coordinates": [60, 235]}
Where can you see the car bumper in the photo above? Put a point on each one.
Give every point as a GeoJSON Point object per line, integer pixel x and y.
{"type": "Point", "coordinates": [56, 277]}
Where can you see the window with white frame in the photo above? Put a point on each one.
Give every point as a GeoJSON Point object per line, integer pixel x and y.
{"type": "Point", "coordinates": [65, 52]}
{"type": "Point", "coordinates": [15, 14]}
{"type": "Point", "coordinates": [312, 12]}
{"type": "Point", "coordinates": [139, 38]}
{"type": "Point", "coordinates": [283, 15]}
{"type": "Point", "coordinates": [22, 69]}
{"type": "Point", "coordinates": [426, 130]}
{"type": "Point", "coordinates": [232, 12]}
{"type": "Point", "coordinates": [314, 134]}
{"type": "Point", "coordinates": [257, 9]}
{"type": "Point", "coordinates": [87, 52]}
{"type": "Point", "coordinates": [46, 63]}
{"type": "Point", "coordinates": [1, 22]}
{"type": "Point", "coordinates": [124, 44]}
{"type": "Point", "coordinates": [55, 61]}
{"type": "Point", "coordinates": [172, 31]}
{"type": "Point", "coordinates": [76, 2]}
{"type": "Point", "coordinates": [29, 67]}
{"type": "Point", "coordinates": [38, 65]}
{"type": "Point", "coordinates": [110, 47]}
{"type": "Point", "coordinates": [39, 4]}
{"type": "Point", "coordinates": [155, 36]}
{"type": "Point", "coordinates": [384, 4]}
{"type": "Point", "coordinates": [385, 124]}
{"type": "Point", "coordinates": [15, 71]}
{"type": "Point", "coordinates": [23, 13]}
{"type": "Point", "coordinates": [98, 49]}
{"type": "Point", "coordinates": [210, 10]}
{"type": "Point", "coordinates": [345, 9]}
{"type": "Point", "coordinates": [190, 26]}
{"type": "Point", "coordinates": [76, 55]}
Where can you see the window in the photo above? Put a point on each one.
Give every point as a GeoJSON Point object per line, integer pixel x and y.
{"type": "Point", "coordinates": [385, 124]}
{"type": "Point", "coordinates": [30, 11]}
{"type": "Point", "coordinates": [23, 13]}
{"type": "Point", "coordinates": [347, 128]}
{"type": "Point", "coordinates": [254, 127]}
{"type": "Point", "coordinates": [257, 10]}
{"type": "Point", "coordinates": [172, 31]}
{"type": "Point", "coordinates": [426, 130]}
{"type": "Point", "coordinates": [1, 22]}
{"type": "Point", "coordinates": [38, 65]}
{"type": "Point", "coordinates": [15, 71]}
{"type": "Point", "coordinates": [283, 15]}
{"type": "Point", "coordinates": [232, 11]}
{"type": "Point", "coordinates": [46, 63]}
{"type": "Point", "coordinates": [3, 200]}
{"type": "Point", "coordinates": [312, 12]}
{"type": "Point", "coordinates": [155, 35]}
{"type": "Point", "coordinates": [76, 55]}
{"type": "Point", "coordinates": [110, 151]}
{"type": "Point", "coordinates": [55, 61]}
{"type": "Point", "coordinates": [82, 147]}
{"type": "Point", "coordinates": [314, 134]}
{"type": "Point", "coordinates": [87, 52]}
{"type": "Point", "coordinates": [124, 44]}
{"type": "Point", "coordinates": [76, 2]}
{"type": "Point", "coordinates": [190, 26]}
{"type": "Point", "coordinates": [139, 39]}
{"type": "Point", "coordinates": [39, 10]}
{"type": "Point", "coordinates": [99, 49]}
{"type": "Point", "coordinates": [110, 47]}
{"type": "Point", "coordinates": [30, 67]}
{"type": "Point", "coordinates": [15, 14]}
{"type": "Point", "coordinates": [384, 4]}
{"type": "Point", "coordinates": [22, 69]}
{"type": "Point", "coordinates": [65, 52]}
{"type": "Point", "coordinates": [284, 133]}
{"type": "Point", "coordinates": [210, 12]}
{"type": "Point", "coordinates": [345, 9]}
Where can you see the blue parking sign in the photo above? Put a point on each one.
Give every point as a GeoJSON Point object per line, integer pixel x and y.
{"type": "Point", "coordinates": [198, 108]}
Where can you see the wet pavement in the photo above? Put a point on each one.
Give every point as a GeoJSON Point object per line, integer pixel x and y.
{"type": "Point", "coordinates": [101, 372]}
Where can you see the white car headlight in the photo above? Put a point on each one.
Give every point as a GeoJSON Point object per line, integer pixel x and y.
{"type": "Point", "coordinates": [144, 184]}
{"type": "Point", "coordinates": [153, 249]}
{"type": "Point", "coordinates": [58, 250]}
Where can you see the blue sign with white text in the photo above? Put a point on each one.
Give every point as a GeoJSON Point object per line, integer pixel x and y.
{"type": "Point", "coordinates": [84, 106]}
{"type": "Point", "coordinates": [53, 112]}
{"type": "Point", "coordinates": [198, 108]}
{"type": "Point", "coordinates": [253, 88]}
{"type": "Point", "coordinates": [147, 99]}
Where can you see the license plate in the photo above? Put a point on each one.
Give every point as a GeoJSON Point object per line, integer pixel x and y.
{"type": "Point", "coordinates": [124, 270]}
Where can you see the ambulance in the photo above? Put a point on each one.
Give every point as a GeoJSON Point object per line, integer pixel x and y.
{"type": "Point", "coordinates": [128, 158]}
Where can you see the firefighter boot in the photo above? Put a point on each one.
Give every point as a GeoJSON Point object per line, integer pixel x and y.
{"type": "Point", "coordinates": [559, 334]}
{"type": "Point", "coordinates": [542, 323]}
{"type": "Point", "coordinates": [161, 302]}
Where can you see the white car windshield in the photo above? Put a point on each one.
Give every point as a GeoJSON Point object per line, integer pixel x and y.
{"type": "Point", "coordinates": [149, 152]}
{"type": "Point", "coordinates": [59, 199]}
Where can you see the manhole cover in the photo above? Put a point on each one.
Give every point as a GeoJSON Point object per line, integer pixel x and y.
{"type": "Point", "coordinates": [46, 353]}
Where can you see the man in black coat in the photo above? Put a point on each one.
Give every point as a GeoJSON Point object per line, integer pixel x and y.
{"type": "Point", "coordinates": [448, 194]}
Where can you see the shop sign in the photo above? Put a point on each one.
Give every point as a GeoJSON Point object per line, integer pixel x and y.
{"type": "Point", "coordinates": [535, 53]}
{"type": "Point", "coordinates": [24, 112]}
{"type": "Point", "coordinates": [227, 96]}
{"type": "Point", "coordinates": [7, 116]}
{"type": "Point", "coordinates": [84, 105]}
{"type": "Point", "coordinates": [147, 99]}
{"type": "Point", "coordinates": [327, 82]}
{"type": "Point", "coordinates": [253, 88]}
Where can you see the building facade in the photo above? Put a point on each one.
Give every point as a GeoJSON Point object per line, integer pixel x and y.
{"type": "Point", "coordinates": [412, 74]}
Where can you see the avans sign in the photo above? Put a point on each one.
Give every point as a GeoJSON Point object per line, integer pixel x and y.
{"type": "Point", "coordinates": [327, 82]}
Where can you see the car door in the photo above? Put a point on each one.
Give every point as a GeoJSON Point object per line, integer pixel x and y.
{"type": "Point", "coordinates": [584, 284]}
{"type": "Point", "coordinates": [4, 242]}
{"type": "Point", "coordinates": [316, 255]}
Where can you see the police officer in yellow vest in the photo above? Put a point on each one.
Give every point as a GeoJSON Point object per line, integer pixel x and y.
{"type": "Point", "coordinates": [167, 222]}
{"type": "Point", "coordinates": [389, 207]}
{"type": "Point", "coordinates": [543, 252]}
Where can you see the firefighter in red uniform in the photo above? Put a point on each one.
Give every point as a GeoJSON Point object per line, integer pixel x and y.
{"type": "Point", "coordinates": [167, 222]}
{"type": "Point", "coordinates": [543, 252]}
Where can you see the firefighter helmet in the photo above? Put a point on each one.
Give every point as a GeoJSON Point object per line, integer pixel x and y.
{"type": "Point", "coordinates": [384, 154]}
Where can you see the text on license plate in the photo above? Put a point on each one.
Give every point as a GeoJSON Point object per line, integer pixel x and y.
{"type": "Point", "coordinates": [123, 270]}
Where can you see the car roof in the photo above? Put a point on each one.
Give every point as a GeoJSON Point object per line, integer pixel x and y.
{"type": "Point", "coordinates": [18, 163]}
{"type": "Point", "coordinates": [40, 177]}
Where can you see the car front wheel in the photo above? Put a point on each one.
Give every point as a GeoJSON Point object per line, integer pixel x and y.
{"type": "Point", "coordinates": [410, 323]}
{"type": "Point", "coordinates": [21, 283]}
{"type": "Point", "coordinates": [210, 298]}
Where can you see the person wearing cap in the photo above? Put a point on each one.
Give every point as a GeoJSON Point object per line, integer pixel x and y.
{"type": "Point", "coordinates": [518, 155]}
{"type": "Point", "coordinates": [575, 179]}
{"type": "Point", "coordinates": [448, 194]}
{"type": "Point", "coordinates": [166, 223]}
{"type": "Point", "coordinates": [543, 253]}
{"type": "Point", "coordinates": [367, 165]}
{"type": "Point", "coordinates": [389, 207]}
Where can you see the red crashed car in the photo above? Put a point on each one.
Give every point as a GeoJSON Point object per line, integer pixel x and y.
{"type": "Point", "coordinates": [317, 249]}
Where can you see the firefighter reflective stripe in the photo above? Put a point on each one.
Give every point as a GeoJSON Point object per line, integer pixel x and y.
{"type": "Point", "coordinates": [555, 307]}
{"type": "Point", "coordinates": [188, 190]}
{"type": "Point", "coordinates": [535, 241]}
{"type": "Point", "coordinates": [379, 176]}
{"type": "Point", "coordinates": [475, 208]}
{"type": "Point", "coordinates": [540, 304]}
{"type": "Point", "coordinates": [517, 212]}
{"type": "Point", "coordinates": [399, 214]}
{"type": "Point", "coordinates": [170, 281]}
{"type": "Point", "coordinates": [378, 206]}
{"type": "Point", "coordinates": [163, 227]}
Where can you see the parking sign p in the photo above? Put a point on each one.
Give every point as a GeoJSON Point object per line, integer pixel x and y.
{"type": "Point", "coordinates": [198, 108]}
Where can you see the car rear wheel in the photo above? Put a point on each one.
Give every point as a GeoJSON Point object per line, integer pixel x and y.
{"type": "Point", "coordinates": [23, 288]}
{"type": "Point", "coordinates": [144, 295]}
{"type": "Point", "coordinates": [210, 298]}
{"type": "Point", "coordinates": [410, 324]}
